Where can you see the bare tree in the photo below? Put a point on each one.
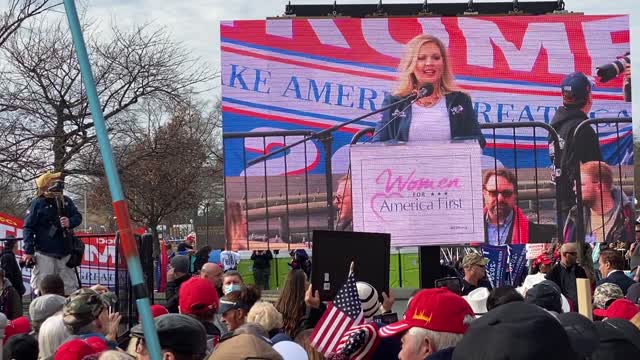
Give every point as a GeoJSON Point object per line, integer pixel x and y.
{"type": "Point", "coordinates": [19, 11]}
{"type": "Point", "coordinates": [169, 169]}
{"type": "Point", "coordinates": [46, 122]}
{"type": "Point", "coordinates": [15, 196]}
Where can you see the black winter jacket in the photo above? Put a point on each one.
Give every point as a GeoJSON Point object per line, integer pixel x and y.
{"type": "Point", "coordinates": [42, 229]}
{"type": "Point", "coordinates": [573, 151]}
{"type": "Point", "coordinates": [12, 271]}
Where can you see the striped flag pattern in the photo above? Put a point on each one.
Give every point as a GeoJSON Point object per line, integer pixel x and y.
{"type": "Point", "coordinates": [360, 341]}
{"type": "Point", "coordinates": [341, 315]}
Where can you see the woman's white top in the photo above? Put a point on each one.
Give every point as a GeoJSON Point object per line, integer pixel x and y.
{"type": "Point", "coordinates": [430, 123]}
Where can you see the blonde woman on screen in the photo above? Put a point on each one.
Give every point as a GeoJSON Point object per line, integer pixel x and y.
{"type": "Point", "coordinates": [444, 115]}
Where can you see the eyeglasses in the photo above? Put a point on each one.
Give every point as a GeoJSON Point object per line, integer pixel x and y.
{"type": "Point", "coordinates": [504, 193]}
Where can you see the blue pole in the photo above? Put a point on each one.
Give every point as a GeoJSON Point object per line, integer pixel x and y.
{"type": "Point", "coordinates": [117, 196]}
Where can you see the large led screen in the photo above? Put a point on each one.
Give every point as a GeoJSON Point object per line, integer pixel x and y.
{"type": "Point", "coordinates": [284, 79]}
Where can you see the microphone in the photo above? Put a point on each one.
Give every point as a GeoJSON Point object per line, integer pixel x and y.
{"type": "Point", "coordinates": [426, 89]}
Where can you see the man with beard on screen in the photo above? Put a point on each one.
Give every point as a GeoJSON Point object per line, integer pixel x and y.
{"type": "Point", "coordinates": [608, 211]}
{"type": "Point", "coordinates": [505, 223]}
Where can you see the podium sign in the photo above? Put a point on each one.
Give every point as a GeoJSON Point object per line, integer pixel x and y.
{"type": "Point", "coordinates": [422, 194]}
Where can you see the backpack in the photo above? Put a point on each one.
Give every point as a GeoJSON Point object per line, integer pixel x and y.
{"type": "Point", "coordinates": [563, 176]}
{"type": "Point", "coordinates": [76, 252]}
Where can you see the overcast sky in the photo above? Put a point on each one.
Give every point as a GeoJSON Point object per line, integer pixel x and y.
{"type": "Point", "coordinates": [196, 23]}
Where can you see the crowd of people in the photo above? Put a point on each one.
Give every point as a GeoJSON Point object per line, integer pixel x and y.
{"type": "Point", "coordinates": [474, 321]}
{"type": "Point", "coordinates": [210, 312]}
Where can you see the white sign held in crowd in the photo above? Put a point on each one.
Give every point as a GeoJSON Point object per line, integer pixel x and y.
{"type": "Point", "coordinates": [422, 194]}
{"type": "Point", "coordinates": [535, 250]}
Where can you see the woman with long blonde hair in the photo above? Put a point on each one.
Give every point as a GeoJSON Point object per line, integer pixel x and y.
{"type": "Point", "coordinates": [445, 114]}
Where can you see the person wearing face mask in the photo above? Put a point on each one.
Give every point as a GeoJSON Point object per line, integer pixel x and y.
{"type": "Point", "coordinates": [235, 306]}
{"type": "Point", "coordinates": [231, 281]}
{"type": "Point", "coordinates": [445, 115]}
{"type": "Point", "coordinates": [224, 284]}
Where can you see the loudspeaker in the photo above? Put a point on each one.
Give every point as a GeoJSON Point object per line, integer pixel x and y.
{"type": "Point", "coordinates": [333, 252]}
{"type": "Point", "coordinates": [429, 266]}
{"type": "Point", "coordinates": [542, 233]}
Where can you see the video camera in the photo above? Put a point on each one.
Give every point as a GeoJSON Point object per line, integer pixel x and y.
{"type": "Point", "coordinates": [612, 70]}
{"type": "Point", "coordinates": [56, 186]}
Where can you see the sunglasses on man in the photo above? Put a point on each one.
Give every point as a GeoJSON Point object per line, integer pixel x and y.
{"type": "Point", "coordinates": [504, 193]}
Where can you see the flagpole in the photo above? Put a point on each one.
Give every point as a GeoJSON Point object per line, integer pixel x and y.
{"type": "Point", "coordinates": [117, 196]}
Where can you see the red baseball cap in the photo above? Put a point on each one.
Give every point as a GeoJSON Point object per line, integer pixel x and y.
{"type": "Point", "coordinates": [433, 309]}
{"type": "Point", "coordinates": [75, 349]}
{"type": "Point", "coordinates": [543, 259]}
{"type": "Point", "coordinates": [157, 310]}
{"type": "Point", "coordinates": [97, 344]}
{"type": "Point", "coordinates": [197, 295]}
{"type": "Point", "coordinates": [17, 326]}
{"type": "Point", "coordinates": [619, 309]}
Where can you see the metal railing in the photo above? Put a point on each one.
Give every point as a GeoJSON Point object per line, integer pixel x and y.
{"type": "Point", "coordinates": [624, 184]}
{"type": "Point", "coordinates": [261, 208]}
{"type": "Point", "coordinates": [553, 141]}
{"type": "Point", "coordinates": [104, 264]}
{"type": "Point", "coordinates": [536, 188]}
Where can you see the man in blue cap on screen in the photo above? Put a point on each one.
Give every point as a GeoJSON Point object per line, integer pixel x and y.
{"type": "Point", "coordinates": [576, 104]}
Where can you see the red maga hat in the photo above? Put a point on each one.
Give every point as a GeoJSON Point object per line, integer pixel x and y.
{"type": "Point", "coordinates": [197, 295]}
{"type": "Point", "coordinates": [434, 309]}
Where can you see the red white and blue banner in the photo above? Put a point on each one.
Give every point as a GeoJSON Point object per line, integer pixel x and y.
{"type": "Point", "coordinates": [310, 74]}
{"type": "Point", "coordinates": [98, 263]}
{"type": "Point", "coordinates": [507, 263]}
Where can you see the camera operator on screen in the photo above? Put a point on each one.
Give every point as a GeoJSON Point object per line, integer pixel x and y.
{"type": "Point", "coordinates": [622, 65]}
{"type": "Point", "coordinates": [446, 114]}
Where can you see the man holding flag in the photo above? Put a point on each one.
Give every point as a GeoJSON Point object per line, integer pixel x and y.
{"type": "Point", "coordinates": [343, 331]}
{"type": "Point", "coordinates": [434, 322]}
{"type": "Point", "coordinates": [341, 315]}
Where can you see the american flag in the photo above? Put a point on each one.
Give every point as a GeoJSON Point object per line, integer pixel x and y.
{"type": "Point", "coordinates": [342, 314]}
{"type": "Point", "coordinates": [360, 342]}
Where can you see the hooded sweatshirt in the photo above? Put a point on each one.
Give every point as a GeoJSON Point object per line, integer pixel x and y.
{"type": "Point", "coordinates": [573, 151]}
{"type": "Point", "coordinates": [622, 228]}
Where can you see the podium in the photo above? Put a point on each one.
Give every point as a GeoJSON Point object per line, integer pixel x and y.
{"type": "Point", "coordinates": [425, 194]}
{"type": "Point", "coordinates": [422, 194]}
